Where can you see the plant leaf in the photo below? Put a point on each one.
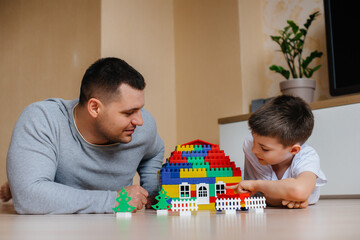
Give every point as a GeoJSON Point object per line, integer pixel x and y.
{"type": "Point", "coordinates": [280, 70]}
{"type": "Point", "coordinates": [307, 61]}
{"type": "Point", "coordinates": [310, 19]}
{"type": "Point", "coordinates": [293, 26]}
{"type": "Point", "coordinates": [309, 71]}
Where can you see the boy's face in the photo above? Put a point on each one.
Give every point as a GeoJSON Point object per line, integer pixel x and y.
{"type": "Point", "coordinates": [269, 151]}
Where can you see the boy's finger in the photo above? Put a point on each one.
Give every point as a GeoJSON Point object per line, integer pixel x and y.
{"type": "Point", "coordinates": [297, 205]}
{"type": "Point", "coordinates": [291, 204]}
{"type": "Point", "coordinates": [232, 186]}
{"type": "Point", "coordinates": [304, 204]}
{"type": "Point", "coordinates": [285, 202]}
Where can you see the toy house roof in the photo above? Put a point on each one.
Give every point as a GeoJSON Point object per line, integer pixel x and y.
{"type": "Point", "coordinates": [198, 142]}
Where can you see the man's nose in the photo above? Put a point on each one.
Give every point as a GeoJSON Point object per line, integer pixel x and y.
{"type": "Point", "coordinates": [138, 120]}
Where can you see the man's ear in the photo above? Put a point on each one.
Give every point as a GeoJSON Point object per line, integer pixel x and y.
{"type": "Point", "coordinates": [295, 149]}
{"type": "Point", "coordinates": [93, 107]}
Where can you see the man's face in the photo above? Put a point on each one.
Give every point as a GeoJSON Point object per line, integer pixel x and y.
{"type": "Point", "coordinates": [118, 118]}
{"type": "Point", "coordinates": [269, 151]}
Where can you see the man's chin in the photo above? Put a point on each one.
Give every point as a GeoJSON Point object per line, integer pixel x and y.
{"type": "Point", "coordinates": [126, 139]}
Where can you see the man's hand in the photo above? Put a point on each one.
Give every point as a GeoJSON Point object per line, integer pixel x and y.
{"type": "Point", "coordinates": [293, 204]}
{"type": "Point", "coordinates": [138, 196]}
{"type": "Point", "coordinates": [150, 201]}
{"type": "Point", "coordinates": [245, 186]}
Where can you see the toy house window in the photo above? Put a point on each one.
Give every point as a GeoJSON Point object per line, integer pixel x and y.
{"type": "Point", "coordinates": [220, 188]}
{"type": "Point", "coordinates": [202, 191]}
{"type": "Point", "coordinates": [184, 191]}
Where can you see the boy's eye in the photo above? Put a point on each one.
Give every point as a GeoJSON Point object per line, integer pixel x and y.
{"type": "Point", "coordinates": [264, 149]}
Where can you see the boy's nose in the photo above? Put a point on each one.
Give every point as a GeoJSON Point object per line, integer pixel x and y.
{"type": "Point", "coordinates": [254, 150]}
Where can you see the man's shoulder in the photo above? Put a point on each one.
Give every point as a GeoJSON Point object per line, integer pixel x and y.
{"type": "Point", "coordinates": [147, 133]}
{"type": "Point", "coordinates": [149, 120]}
{"type": "Point", "coordinates": [147, 115]}
{"type": "Point", "coordinates": [48, 111]}
{"type": "Point", "coordinates": [51, 105]}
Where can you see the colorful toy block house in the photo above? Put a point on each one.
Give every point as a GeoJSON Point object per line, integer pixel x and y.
{"type": "Point", "coordinates": [198, 170]}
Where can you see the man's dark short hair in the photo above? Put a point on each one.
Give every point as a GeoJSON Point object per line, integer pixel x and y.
{"type": "Point", "coordinates": [289, 119]}
{"type": "Point", "coordinates": [102, 79]}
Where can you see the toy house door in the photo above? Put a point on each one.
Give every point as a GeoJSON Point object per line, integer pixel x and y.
{"type": "Point", "coordinates": [202, 193]}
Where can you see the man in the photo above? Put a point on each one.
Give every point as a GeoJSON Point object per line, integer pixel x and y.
{"type": "Point", "coordinates": [75, 156]}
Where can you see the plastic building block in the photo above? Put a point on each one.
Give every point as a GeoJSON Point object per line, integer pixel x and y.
{"type": "Point", "coordinates": [184, 206]}
{"type": "Point", "coordinates": [123, 209]}
{"type": "Point", "coordinates": [231, 203]}
{"type": "Point", "coordinates": [123, 215]}
{"type": "Point", "coordinates": [256, 204]}
{"type": "Point", "coordinates": [184, 148]}
{"type": "Point", "coordinates": [199, 142]}
{"type": "Point", "coordinates": [210, 206]}
{"type": "Point", "coordinates": [162, 202]}
{"type": "Point", "coordinates": [219, 172]}
{"type": "Point", "coordinates": [162, 212]}
{"type": "Point", "coordinates": [228, 179]}
{"type": "Point", "coordinates": [193, 173]}
{"type": "Point", "coordinates": [194, 154]}
{"type": "Point", "coordinates": [172, 190]}
{"type": "Point", "coordinates": [205, 166]}
{"type": "Point", "coordinates": [195, 160]}
{"type": "Point", "coordinates": [202, 169]}
{"type": "Point", "coordinates": [177, 160]}
{"type": "Point", "coordinates": [198, 148]}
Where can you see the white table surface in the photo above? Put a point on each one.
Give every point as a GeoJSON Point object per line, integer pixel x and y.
{"type": "Point", "coordinates": [328, 219]}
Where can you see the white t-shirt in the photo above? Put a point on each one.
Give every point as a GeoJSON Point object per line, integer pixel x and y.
{"type": "Point", "coordinates": [306, 160]}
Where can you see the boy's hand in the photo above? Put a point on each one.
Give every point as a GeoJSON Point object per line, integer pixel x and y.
{"type": "Point", "coordinates": [292, 204]}
{"type": "Point", "coordinates": [245, 186]}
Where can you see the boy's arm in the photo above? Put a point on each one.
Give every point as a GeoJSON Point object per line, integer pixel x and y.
{"type": "Point", "coordinates": [291, 189]}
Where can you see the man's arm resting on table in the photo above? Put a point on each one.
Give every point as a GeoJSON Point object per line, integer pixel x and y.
{"type": "Point", "coordinates": [148, 171]}
{"type": "Point", "coordinates": [32, 166]}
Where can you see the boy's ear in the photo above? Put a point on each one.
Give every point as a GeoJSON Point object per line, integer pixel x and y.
{"type": "Point", "coordinates": [295, 149]}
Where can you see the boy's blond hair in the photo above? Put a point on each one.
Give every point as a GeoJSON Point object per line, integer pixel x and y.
{"type": "Point", "coordinates": [287, 118]}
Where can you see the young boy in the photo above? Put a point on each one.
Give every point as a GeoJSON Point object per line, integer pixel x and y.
{"type": "Point", "coordinates": [277, 162]}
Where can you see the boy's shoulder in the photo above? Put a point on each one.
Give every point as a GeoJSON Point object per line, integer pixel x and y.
{"type": "Point", "coordinates": [306, 151]}
{"type": "Point", "coordinates": [306, 158]}
{"type": "Point", "coordinates": [248, 143]}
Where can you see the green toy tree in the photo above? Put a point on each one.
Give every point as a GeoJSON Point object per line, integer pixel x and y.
{"type": "Point", "coordinates": [162, 201]}
{"type": "Point", "coordinates": [123, 200]}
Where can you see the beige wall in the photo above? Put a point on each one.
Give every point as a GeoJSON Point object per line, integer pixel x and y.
{"type": "Point", "coordinates": [45, 48]}
{"type": "Point", "coordinates": [207, 64]}
{"type": "Point", "coordinates": [142, 33]}
{"type": "Point", "coordinates": [251, 52]}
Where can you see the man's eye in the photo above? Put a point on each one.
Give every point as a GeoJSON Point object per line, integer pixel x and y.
{"type": "Point", "coordinates": [129, 113]}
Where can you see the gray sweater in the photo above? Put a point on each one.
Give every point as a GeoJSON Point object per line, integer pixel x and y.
{"type": "Point", "coordinates": [52, 169]}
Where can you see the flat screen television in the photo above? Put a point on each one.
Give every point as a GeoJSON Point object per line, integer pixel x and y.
{"type": "Point", "coordinates": [341, 21]}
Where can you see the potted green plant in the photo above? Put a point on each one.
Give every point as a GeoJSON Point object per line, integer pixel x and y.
{"type": "Point", "coordinates": [291, 41]}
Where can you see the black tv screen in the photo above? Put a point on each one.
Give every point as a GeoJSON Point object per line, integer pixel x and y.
{"type": "Point", "coordinates": [341, 20]}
